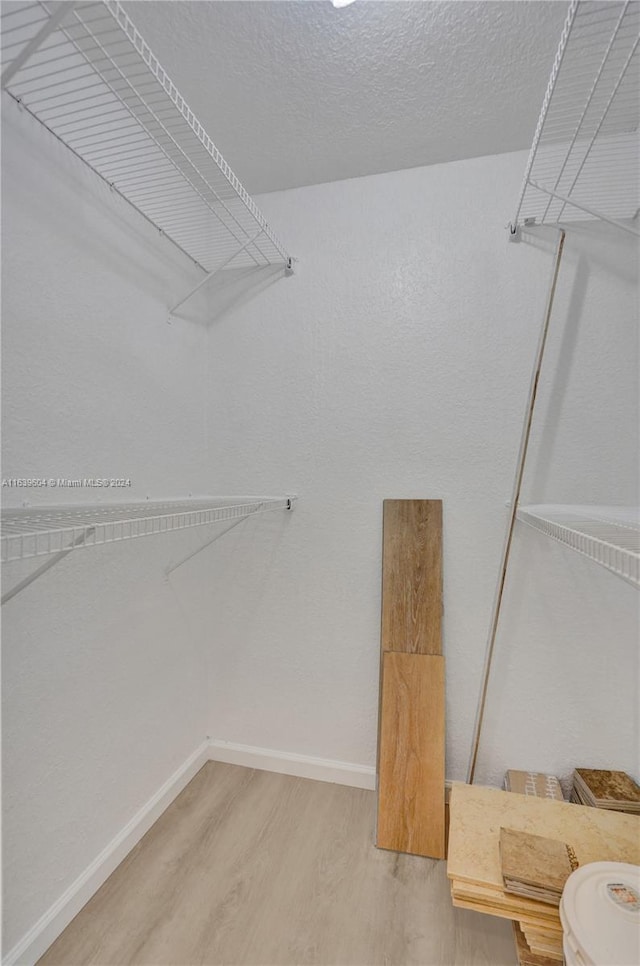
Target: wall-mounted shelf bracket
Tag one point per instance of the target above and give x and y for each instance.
(290, 500)
(588, 209)
(215, 271)
(514, 233)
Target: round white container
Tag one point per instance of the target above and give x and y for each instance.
(600, 915)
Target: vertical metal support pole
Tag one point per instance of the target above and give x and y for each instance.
(522, 457)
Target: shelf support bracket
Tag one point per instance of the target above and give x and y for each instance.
(290, 501)
(48, 28)
(47, 565)
(586, 208)
(215, 271)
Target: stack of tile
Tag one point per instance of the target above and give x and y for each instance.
(533, 783)
(600, 788)
(534, 866)
(474, 866)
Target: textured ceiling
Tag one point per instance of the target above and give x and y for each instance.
(297, 93)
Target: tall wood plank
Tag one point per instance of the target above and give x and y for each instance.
(411, 755)
(412, 576)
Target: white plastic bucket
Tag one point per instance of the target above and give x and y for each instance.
(600, 915)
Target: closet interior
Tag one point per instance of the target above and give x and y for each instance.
(208, 755)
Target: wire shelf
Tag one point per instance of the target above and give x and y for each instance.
(609, 535)
(85, 72)
(584, 160)
(39, 531)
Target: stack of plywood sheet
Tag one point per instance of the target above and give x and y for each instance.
(476, 816)
(523, 950)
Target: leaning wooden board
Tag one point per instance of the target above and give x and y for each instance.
(411, 780)
(411, 815)
(412, 576)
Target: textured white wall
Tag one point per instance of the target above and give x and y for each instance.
(104, 695)
(396, 363)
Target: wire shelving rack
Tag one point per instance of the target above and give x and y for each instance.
(40, 531)
(584, 160)
(608, 535)
(85, 72)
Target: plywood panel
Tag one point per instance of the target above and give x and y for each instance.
(525, 956)
(477, 814)
(411, 758)
(480, 816)
(412, 576)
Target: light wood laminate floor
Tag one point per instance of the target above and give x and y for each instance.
(250, 867)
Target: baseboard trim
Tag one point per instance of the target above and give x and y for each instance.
(46, 930)
(287, 763)
(37, 940)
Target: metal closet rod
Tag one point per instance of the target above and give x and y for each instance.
(515, 499)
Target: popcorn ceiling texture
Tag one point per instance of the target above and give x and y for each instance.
(299, 93)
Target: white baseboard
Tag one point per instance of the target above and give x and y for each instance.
(287, 763)
(38, 939)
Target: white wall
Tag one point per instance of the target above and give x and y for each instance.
(396, 363)
(104, 694)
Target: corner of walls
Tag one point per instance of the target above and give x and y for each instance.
(46, 930)
(104, 691)
(288, 763)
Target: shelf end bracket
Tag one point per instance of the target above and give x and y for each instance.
(215, 271)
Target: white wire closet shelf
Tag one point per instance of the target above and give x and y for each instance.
(39, 531)
(609, 535)
(585, 157)
(85, 72)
